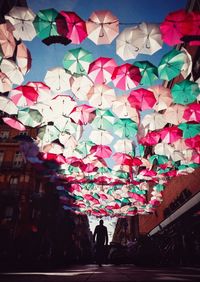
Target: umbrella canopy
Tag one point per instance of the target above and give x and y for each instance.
(58, 79)
(101, 70)
(23, 58)
(29, 117)
(77, 31)
(125, 128)
(7, 41)
(171, 64)
(77, 61)
(81, 86)
(101, 137)
(104, 119)
(151, 138)
(187, 66)
(126, 76)
(154, 121)
(192, 112)
(170, 135)
(101, 151)
(65, 124)
(22, 20)
(62, 105)
(83, 148)
(42, 89)
(142, 99)
(82, 114)
(102, 27)
(8, 106)
(148, 72)
(14, 123)
(48, 134)
(124, 146)
(189, 129)
(5, 83)
(12, 71)
(101, 96)
(163, 97)
(23, 95)
(46, 111)
(185, 92)
(174, 114)
(122, 108)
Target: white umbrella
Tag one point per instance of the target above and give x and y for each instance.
(101, 137)
(154, 121)
(46, 112)
(174, 114)
(23, 58)
(163, 149)
(5, 83)
(62, 105)
(163, 97)
(124, 146)
(58, 79)
(81, 87)
(7, 106)
(22, 20)
(101, 96)
(12, 71)
(187, 66)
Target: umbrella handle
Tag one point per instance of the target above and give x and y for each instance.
(101, 33)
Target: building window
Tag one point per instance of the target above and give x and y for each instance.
(18, 160)
(4, 135)
(14, 180)
(1, 157)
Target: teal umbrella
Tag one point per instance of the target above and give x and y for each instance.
(29, 117)
(189, 129)
(48, 133)
(83, 148)
(77, 61)
(185, 92)
(171, 64)
(125, 128)
(158, 159)
(104, 119)
(148, 71)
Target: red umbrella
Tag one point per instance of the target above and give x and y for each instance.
(192, 112)
(196, 157)
(126, 76)
(152, 138)
(101, 151)
(193, 34)
(101, 70)
(83, 114)
(171, 134)
(142, 99)
(76, 27)
(125, 159)
(175, 26)
(23, 95)
(14, 123)
(44, 92)
(193, 142)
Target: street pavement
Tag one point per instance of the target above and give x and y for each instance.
(106, 273)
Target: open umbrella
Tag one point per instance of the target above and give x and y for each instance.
(124, 146)
(192, 112)
(101, 70)
(83, 148)
(174, 114)
(189, 129)
(104, 119)
(48, 133)
(65, 124)
(14, 123)
(163, 97)
(125, 128)
(185, 92)
(82, 114)
(154, 121)
(23, 58)
(77, 61)
(170, 134)
(12, 71)
(22, 20)
(23, 96)
(62, 105)
(102, 27)
(101, 137)
(148, 72)
(171, 64)
(102, 151)
(151, 138)
(101, 96)
(81, 86)
(126, 76)
(42, 89)
(58, 79)
(8, 106)
(142, 99)
(29, 117)
(5, 83)
(7, 41)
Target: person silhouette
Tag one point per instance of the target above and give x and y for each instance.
(100, 238)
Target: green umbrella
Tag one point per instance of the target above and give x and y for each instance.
(29, 117)
(185, 92)
(48, 133)
(159, 187)
(189, 129)
(125, 128)
(158, 159)
(104, 119)
(137, 190)
(83, 148)
(171, 64)
(77, 61)
(45, 23)
(148, 71)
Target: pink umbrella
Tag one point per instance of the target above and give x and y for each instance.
(83, 114)
(7, 41)
(5, 83)
(14, 123)
(23, 58)
(101, 70)
(101, 96)
(196, 157)
(142, 99)
(126, 76)
(44, 92)
(125, 159)
(193, 142)
(152, 138)
(192, 112)
(163, 97)
(76, 27)
(174, 114)
(23, 96)
(101, 151)
(171, 134)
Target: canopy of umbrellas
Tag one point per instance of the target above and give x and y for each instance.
(110, 131)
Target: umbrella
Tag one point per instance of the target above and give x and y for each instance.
(163, 97)
(46, 111)
(5, 83)
(125, 128)
(58, 79)
(29, 117)
(81, 87)
(48, 133)
(151, 138)
(174, 114)
(42, 89)
(126, 76)
(23, 58)
(187, 66)
(101, 151)
(158, 159)
(104, 119)
(185, 92)
(22, 20)
(101, 96)
(62, 105)
(101, 70)
(124, 146)
(83, 148)
(82, 114)
(142, 99)
(192, 112)
(189, 129)
(76, 27)
(65, 124)
(102, 27)
(77, 61)
(23, 96)
(171, 64)
(163, 149)
(122, 108)
(14, 123)
(148, 72)
(68, 141)
(175, 26)
(154, 121)
(170, 134)
(101, 137)
(12, 71)
(7, 41)
(7, 106)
